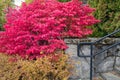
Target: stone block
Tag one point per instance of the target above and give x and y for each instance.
(72, 50)
(118, 61)
(106, 65)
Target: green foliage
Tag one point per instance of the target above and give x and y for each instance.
(108, 11)
(64, 0)
(4, 4)
(28, 1)
(47, 68)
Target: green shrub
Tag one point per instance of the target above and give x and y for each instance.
(108, 11)
(64, 0)
(4, 5)
(52, 67)
(29, 1)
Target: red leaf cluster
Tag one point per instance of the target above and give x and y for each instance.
(38, 29)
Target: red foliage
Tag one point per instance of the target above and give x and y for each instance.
(40, 27)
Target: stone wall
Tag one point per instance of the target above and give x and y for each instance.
(102, 63)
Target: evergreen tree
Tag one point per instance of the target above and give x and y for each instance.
(4, 6)
(28, 1)
(108, 11)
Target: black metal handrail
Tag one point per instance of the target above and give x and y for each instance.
(106, 49)
(91, 50)
(116, 31)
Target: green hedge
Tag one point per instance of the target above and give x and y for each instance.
(108, 11)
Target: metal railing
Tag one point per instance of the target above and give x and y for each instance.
(91, 44)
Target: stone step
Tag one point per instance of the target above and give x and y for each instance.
(117, 70)
(110, 76)
(98, 78)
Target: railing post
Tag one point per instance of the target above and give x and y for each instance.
(91, 62)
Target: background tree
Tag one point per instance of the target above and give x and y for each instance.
(64, 0)
(108, 11)
(4, 6)
(28, 1)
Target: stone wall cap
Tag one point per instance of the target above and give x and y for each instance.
(78, 40)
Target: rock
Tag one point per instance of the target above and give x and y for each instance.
(110, 76)
(82, 68)
(85, 50)
(117, 70)
(118, 61)
(72, 50)
(106, 65)
(85, 69)
(102, 63)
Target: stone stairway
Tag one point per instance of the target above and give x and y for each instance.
(111, 75)
(103, 64)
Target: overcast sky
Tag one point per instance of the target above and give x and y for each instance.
(18, 2)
